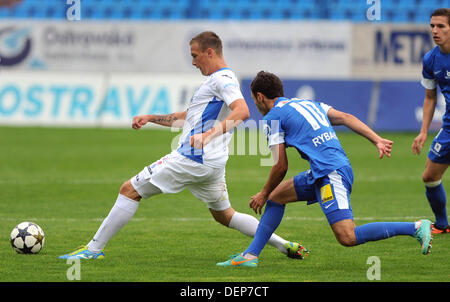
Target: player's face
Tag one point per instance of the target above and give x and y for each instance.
(440, 30)
(200, 59)
(258, 100)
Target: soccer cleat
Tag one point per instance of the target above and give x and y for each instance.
(234, 255)
(435, 230)
(240, 260)
(295, 250)
(423, 235)
(83, 253)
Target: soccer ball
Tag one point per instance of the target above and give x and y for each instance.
(27, 238)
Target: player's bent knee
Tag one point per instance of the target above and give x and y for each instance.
(223, 217)
(284, 193)
(345, 233)
(346, 240)
(127, 190)
(427, 178)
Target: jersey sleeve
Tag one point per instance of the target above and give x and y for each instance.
(325, 107)
(273, 130)
(428, 80)
(228, 88)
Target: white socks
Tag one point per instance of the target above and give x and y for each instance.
(122, 212)
(247, 225)
(432, 184)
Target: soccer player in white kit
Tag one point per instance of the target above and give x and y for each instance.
(198, 164)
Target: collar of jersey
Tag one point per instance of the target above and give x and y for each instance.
(220, 70)
(279, 100)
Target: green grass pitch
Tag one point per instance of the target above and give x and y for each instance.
(66, 180)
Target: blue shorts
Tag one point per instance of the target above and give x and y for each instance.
(331, 191)
(440, 148)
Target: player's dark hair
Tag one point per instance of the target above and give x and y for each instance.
(208, 39)
(442, 12)
(268, 84)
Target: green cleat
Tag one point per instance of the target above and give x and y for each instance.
(295, 250)
(423, 235)
(240, 260)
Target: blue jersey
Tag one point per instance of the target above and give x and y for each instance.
(436, 72)
(304, 124)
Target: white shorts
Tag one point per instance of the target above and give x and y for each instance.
(175, 172)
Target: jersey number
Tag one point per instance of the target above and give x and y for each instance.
(311, 113)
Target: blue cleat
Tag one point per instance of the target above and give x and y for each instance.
(240, 260)
(83, 253)
(423, 235)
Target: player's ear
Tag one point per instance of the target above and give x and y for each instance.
(260, 97)
(210, 52)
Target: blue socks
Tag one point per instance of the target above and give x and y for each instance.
(437, 199)
(383, 230)
(269, 222)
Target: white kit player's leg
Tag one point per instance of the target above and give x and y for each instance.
(123, 210)
(120, 214)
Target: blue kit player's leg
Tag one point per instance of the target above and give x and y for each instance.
(333, 192)
(382, 230)
(437, 164)
(436, 196)
(273, 214)
(270, 220)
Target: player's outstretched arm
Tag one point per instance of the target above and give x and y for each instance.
(170, 120)
(429, 104)
(337, 117)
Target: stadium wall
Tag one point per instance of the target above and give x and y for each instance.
(103, 73)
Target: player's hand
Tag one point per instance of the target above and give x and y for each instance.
(139, 121)
(418, 143)
(257, 202)
(199, 140)
(384, 147)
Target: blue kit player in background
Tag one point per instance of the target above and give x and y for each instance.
(307, 126)
(436, 72)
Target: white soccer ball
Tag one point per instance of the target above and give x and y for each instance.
(27, 238)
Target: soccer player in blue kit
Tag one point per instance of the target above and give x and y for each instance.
(436, 71)
(307, 126)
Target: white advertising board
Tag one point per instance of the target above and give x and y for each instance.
(389, 51)
(318, 49)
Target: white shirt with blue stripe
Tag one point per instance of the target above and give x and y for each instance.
(208, 106)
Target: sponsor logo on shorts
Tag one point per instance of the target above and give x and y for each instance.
(328, 205)
(437, 147)
(326, 193)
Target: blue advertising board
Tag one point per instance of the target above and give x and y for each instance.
(349, 96)
(393, 105)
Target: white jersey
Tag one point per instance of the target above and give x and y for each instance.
(208, 106)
